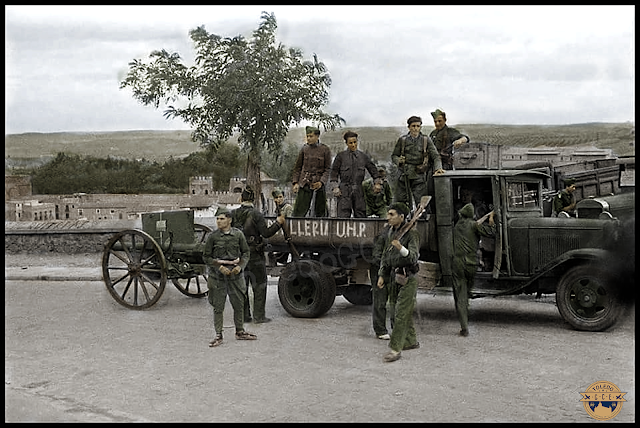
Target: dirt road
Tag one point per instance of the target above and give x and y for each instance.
(73, 354)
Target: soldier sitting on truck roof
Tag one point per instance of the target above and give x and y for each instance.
(564, 203)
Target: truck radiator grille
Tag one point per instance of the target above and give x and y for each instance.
(551, 246)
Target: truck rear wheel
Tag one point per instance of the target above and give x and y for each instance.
(306, 289)
(587, 300)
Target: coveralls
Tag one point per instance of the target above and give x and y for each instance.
(402, 297)
(466, 234)
(350, 167)
(226, 246)
(417, 151)
(254, 226)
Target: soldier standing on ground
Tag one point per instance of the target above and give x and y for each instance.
(412, 154)
(398, 268)
(254, 227)
(380, 295)
(310, 176)
(226, 254)
(377, 196)
(466, 234)
(565, 201)
(350, 167)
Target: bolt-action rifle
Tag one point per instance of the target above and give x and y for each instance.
(424, 201)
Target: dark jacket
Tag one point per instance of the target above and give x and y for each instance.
(351, 171)
(253, 224)
(312, 165)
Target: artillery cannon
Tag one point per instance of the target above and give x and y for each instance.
(136, 264)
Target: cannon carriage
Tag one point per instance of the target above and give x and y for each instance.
(136, 264)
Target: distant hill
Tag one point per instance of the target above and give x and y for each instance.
(159, 145)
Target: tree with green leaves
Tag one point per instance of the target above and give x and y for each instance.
(256, 87)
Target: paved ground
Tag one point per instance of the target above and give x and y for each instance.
(73, 354)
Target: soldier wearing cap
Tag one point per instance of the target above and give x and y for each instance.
(377, 194)
(564, 203)
(254, 226)
(349, 167)
(446, 139)
(398, 269)
(226, 254)
(310, 176)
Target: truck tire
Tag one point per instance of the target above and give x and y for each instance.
(587, 299)
(306, 289)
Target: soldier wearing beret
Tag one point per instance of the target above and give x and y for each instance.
(412, 154)
(254, 226)
(226, 254)
(398, 269)
(310, 176)
(564, 203)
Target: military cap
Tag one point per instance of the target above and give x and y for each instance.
(248, 194)
(222, 210)
(277, 192)
(312, 130)
(400, 207)
(437, 113)
(569, 181)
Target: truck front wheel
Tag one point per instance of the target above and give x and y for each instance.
(587, 300)
(306, 289)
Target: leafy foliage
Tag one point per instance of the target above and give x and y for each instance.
(72, 173)
(255, 87)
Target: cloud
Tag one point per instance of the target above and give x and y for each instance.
(515, 64)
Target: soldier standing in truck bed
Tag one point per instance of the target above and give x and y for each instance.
(446, 139)
(350, 166)
(310, 176)
(412, 154)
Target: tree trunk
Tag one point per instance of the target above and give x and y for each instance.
(253, 177)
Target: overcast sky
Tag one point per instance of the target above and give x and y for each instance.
(485, 64)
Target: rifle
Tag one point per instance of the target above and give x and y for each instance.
(295, 255)
(483, 218)
(424, 201)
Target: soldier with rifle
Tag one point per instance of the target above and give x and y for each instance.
(254, 226)
(412, 154)
(398, 269)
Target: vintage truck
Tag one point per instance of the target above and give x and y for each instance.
(583, 261)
